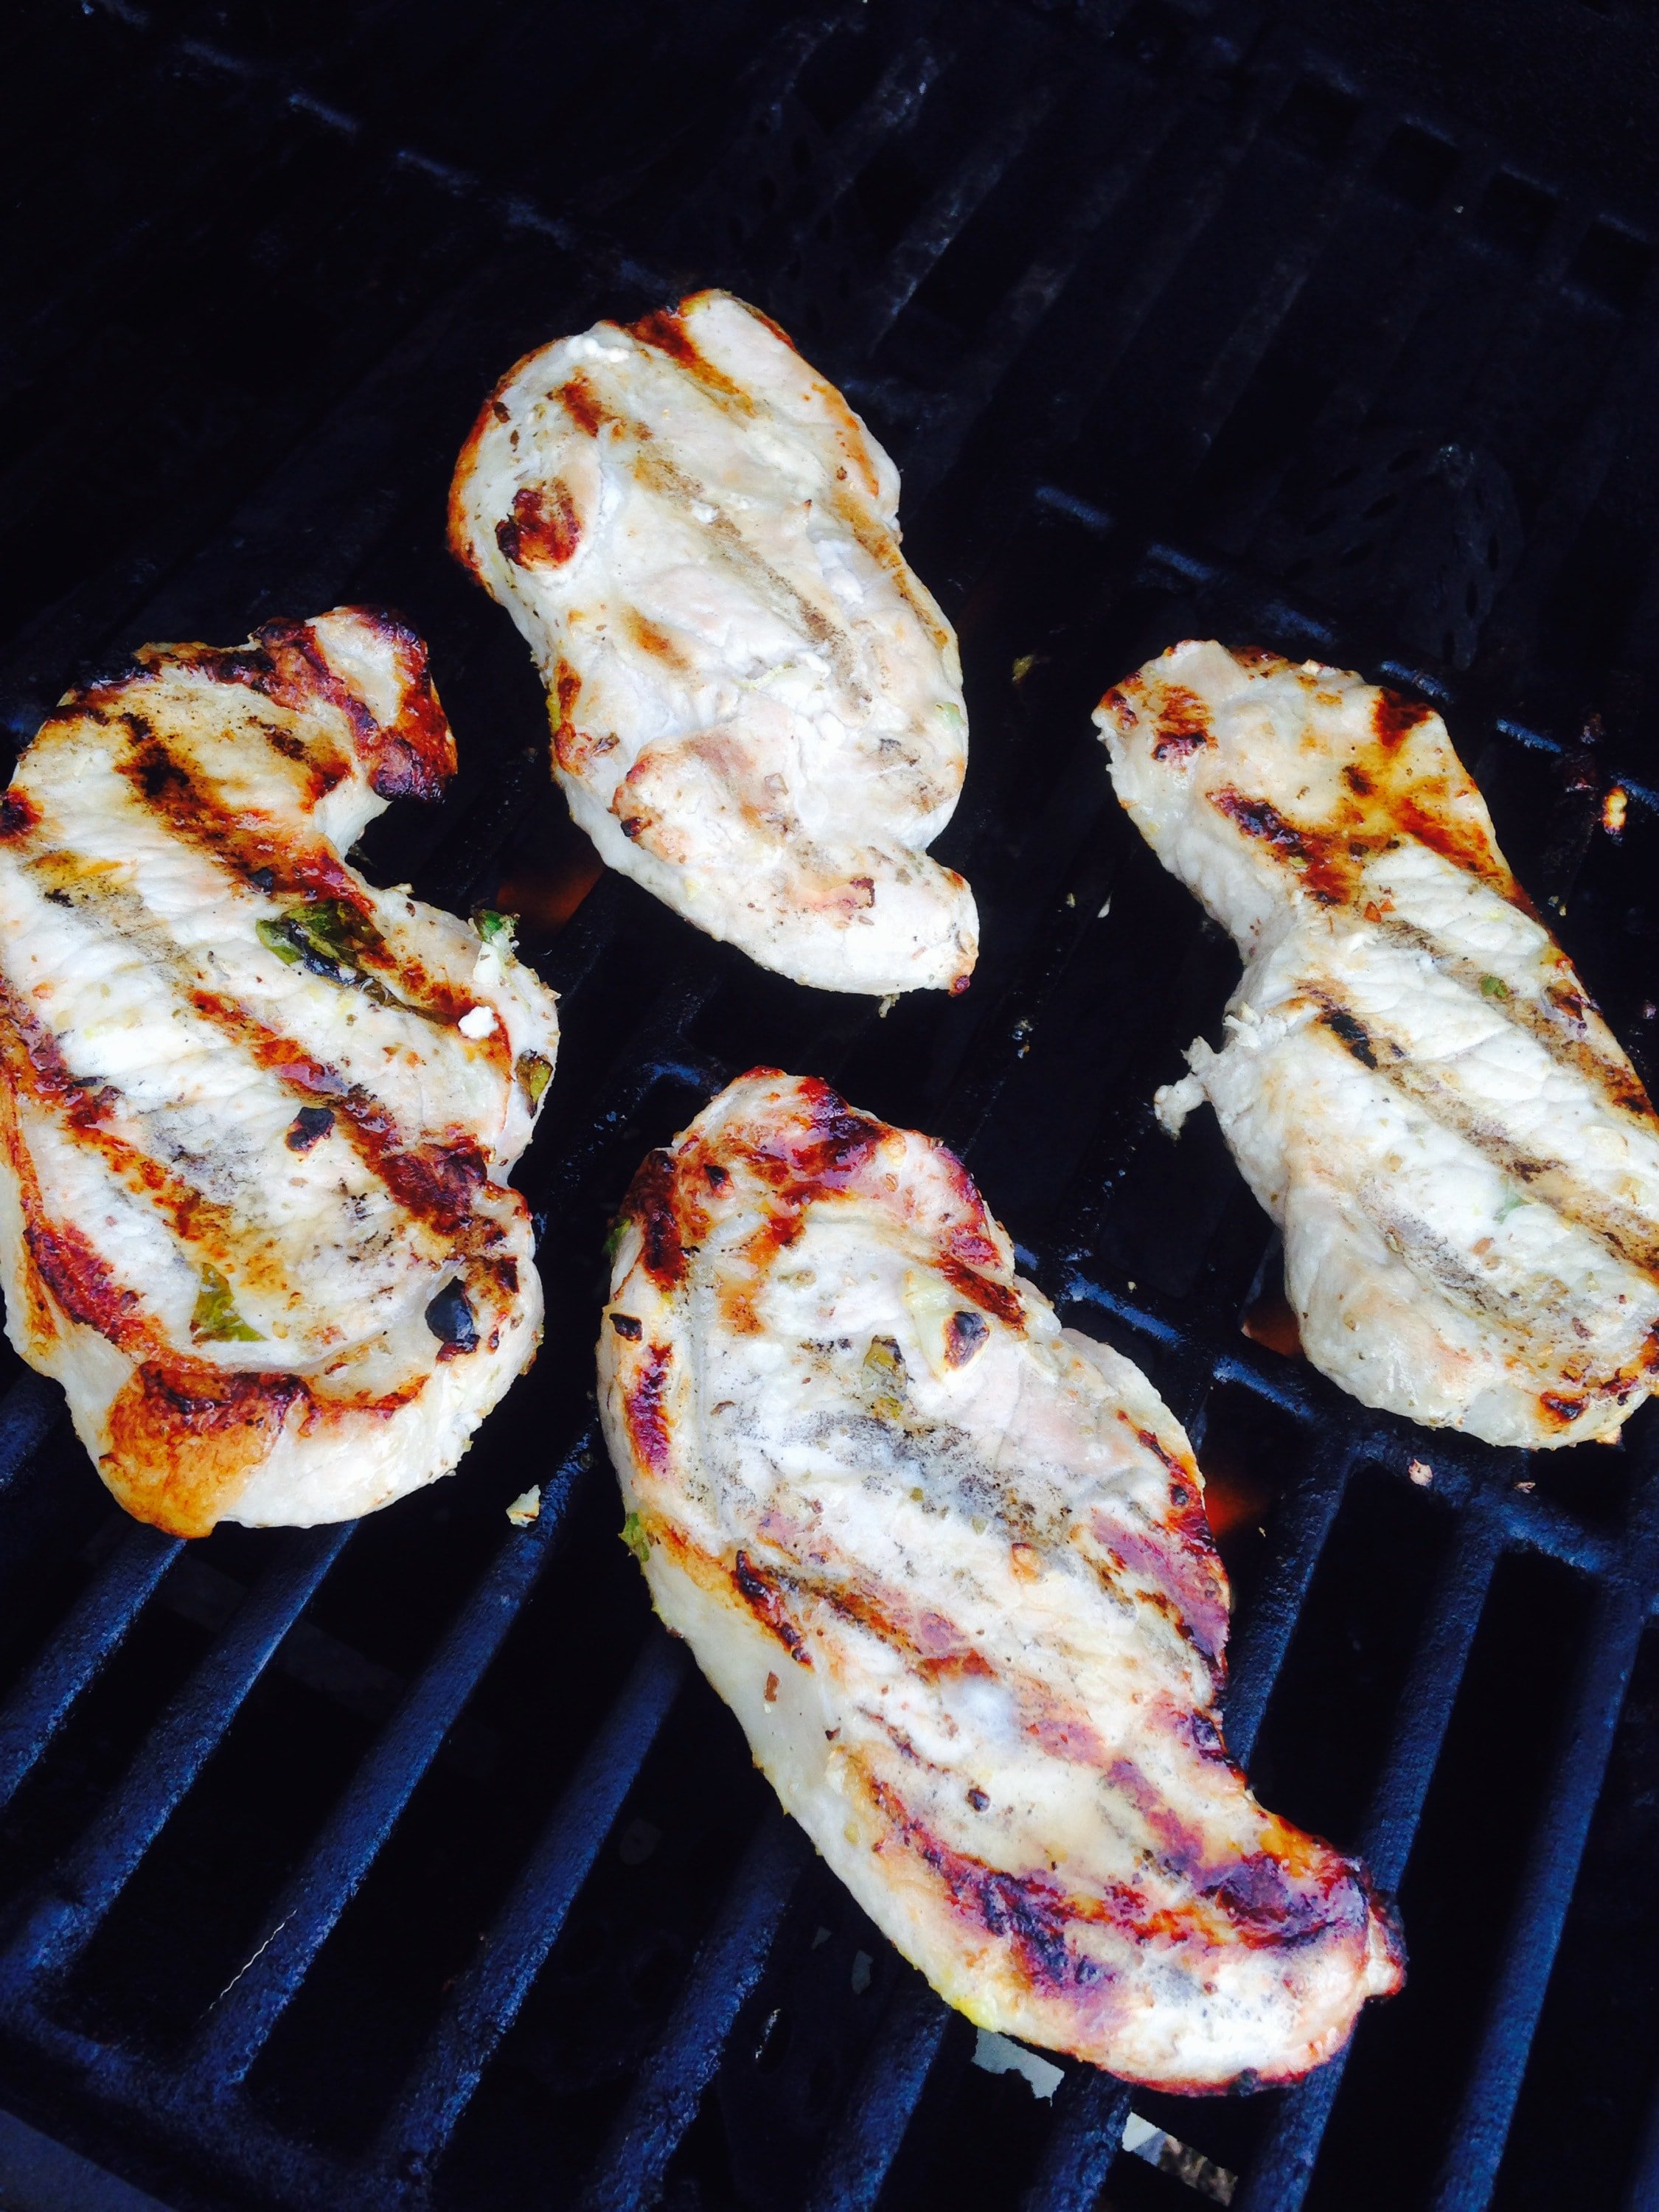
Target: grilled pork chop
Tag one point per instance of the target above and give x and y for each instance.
(949, 1563)
(757, 707)
(1464, 1163)
(256, 1114)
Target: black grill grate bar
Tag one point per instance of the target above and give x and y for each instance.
(890, 2084)
(1643, 2192)
(934, 452)
(88, 1882)
(42, 1701)
(197, 534)
(487, 1999)
(1501, 373)
(764, 94)
(871, 2123)
(669, 2087)
(1577, 483)
(304, 1916)
(31, 1408)
(947, 212)
(1383, 339)
(1466, 2178)
(1242, 351)
(892, 107)
(1266, 84)
(1283, 2165)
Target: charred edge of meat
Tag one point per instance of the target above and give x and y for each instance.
(652, 1202)
(1184, 725)
(1393, 717)
(18, 814)
(763, 1593)
(79, 1278)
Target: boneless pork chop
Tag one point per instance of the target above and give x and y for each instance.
(1464, 1163)
(256, 1114)
(757, 707)
(949, 1563)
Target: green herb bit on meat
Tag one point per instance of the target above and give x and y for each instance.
(534, 1075)
(215, 1320)
(494, 928)
(634, 1535)
(329, 937)
(885, 1377)
(1493, 986)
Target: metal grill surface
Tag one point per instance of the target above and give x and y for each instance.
(410, 1864)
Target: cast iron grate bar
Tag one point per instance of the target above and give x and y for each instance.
(88, 1882)
(302, 1919)
(871, 2125)
(664, 2100)
(105, 1611)
(1283, 2163)
(31, 1408)
(487, 1999)
(1482, 2128)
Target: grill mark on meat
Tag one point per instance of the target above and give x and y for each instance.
(1256, 1901)
(36, 1067)
(244, 846)
(671, 482)
(126, 915)
(1031, 1915)
(664, 332)
(592, 410)
(1326, 872)
(413, 757)
(1625, 1232)
(436, 1180)
(763, 1593)
(1001, 1299)
(583, 405)
(644, 1411)
(1389, 795)
(934, 1647)
(1558, 1021)
(246, 850)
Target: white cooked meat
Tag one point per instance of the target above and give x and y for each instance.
(256, 1115)
(949, 1564)
(757, 707)
(1415, 1082)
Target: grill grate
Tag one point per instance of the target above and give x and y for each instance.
(1176, 322)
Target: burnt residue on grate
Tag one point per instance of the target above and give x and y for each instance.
(412, 1865)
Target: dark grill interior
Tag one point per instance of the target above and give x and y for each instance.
(412, 1863)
